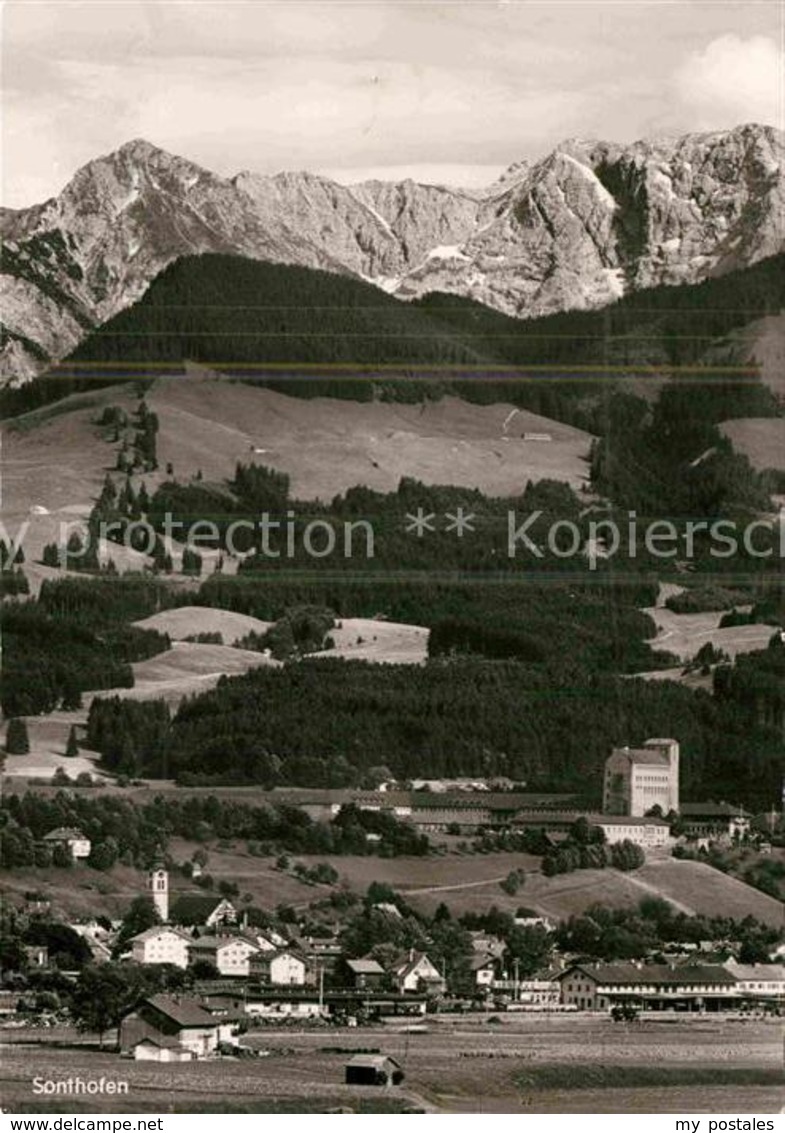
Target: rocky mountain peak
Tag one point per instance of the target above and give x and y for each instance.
(577, 228)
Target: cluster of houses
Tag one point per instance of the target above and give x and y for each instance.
(259, 974)
(167, 1028)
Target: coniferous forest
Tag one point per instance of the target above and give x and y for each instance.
(531, 661)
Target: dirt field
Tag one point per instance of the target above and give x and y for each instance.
(520, 1064)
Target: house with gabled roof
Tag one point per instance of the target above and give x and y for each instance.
(77, 843)
(168, 1022)
(231, 954)
(161, 944)
(192, 909)
(415, 972)
(283, 968)
(597, 987)
(364, 973)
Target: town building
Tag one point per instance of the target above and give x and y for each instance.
(231, 955)
(645, 832)
(689, 987)
(322, 953)
(168, 1023)
(37, 955)
(541, 990)
(414, 972)
(637, 779)
(759, 983)
(77, 844)
(364, 973)
(286, 968)
(714, 820)
(485, 970)
(161, 944)
(191, 909)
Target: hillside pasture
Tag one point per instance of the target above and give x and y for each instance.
(184, 670)
(186, 621)
(699, 888)
(760, 439)
(373, 639)
(685, 634)
(327, 445)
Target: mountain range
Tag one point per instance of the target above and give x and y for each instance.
(587, 224)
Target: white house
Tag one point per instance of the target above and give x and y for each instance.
(161, 945)
(168, 1028)
(485, 970)
(415, 972)
(231, 955)
(77, 844)
(281, 969)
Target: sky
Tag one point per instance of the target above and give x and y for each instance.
(452, 91)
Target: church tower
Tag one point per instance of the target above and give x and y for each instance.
(158, 884)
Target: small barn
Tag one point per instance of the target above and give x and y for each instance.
(373, 1070)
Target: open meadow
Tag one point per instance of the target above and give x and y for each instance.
(482, 1064)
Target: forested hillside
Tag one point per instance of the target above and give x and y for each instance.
(241, 314)
(333, 720)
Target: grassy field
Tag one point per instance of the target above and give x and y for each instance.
(684, 634)
(185, 621)
(702, 889)
(55, 459)
(326, 445)
(466, 883)
(186, 669)
(760, 439)
(535, 1064)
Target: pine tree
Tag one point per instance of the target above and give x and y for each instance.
(108, 493)
(51, 555)
(72, 747)
(192, 562)
(17, 741)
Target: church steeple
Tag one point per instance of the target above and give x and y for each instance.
(158, 884)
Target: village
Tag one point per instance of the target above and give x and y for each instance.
(215, 974)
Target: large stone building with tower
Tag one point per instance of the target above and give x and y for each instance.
(636, 779)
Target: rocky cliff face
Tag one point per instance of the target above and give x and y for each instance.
(576, 229)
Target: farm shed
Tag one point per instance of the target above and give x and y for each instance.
(373, 1070)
